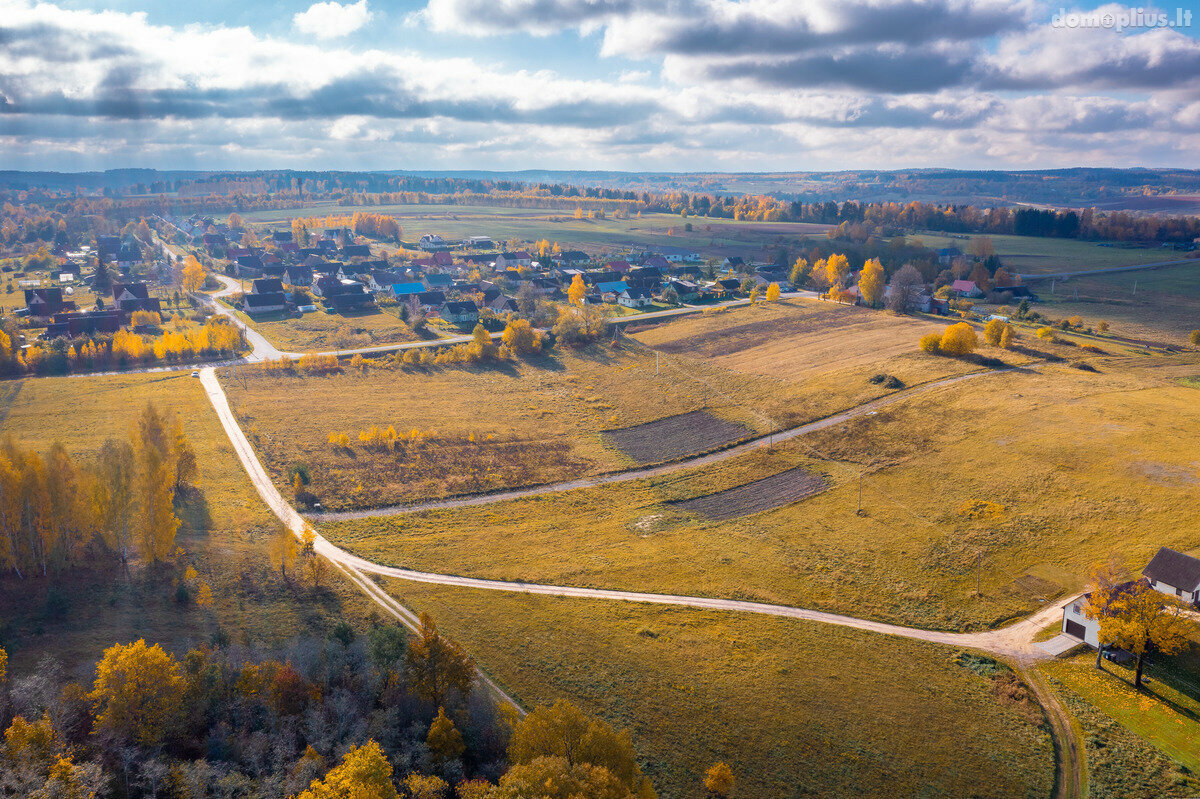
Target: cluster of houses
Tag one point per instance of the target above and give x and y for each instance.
(62, 316)
(1170, 572)
(345, 276)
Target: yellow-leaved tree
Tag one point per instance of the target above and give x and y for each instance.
(437, 664)
(993, 331)
(564, 733)
(959, 339)
(193, 274)
(444, 740)
(1141, 619)
(577, 290)
(364, 773)
(137, 693)
(156, 523)
(718, 780)
(773, 292)
(871, 282)
(837, 266)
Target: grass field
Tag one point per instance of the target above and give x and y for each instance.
(1164, 717)
(223, 534)
(317, 331)
(1033, 255)
(710, 237)
(795, 708)
(548, 417)
(1080, 464)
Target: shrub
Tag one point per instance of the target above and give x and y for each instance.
(1194, 337)
(931, 343)
(1046, 334)
(893, 382)
(959, 339)
(992, 332)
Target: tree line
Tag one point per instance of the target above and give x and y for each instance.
(57, 513)
(374, 716)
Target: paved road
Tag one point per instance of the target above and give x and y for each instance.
(1110, 271)
(654, 471)
(1014, 641)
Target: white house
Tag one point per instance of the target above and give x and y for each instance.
(634, 298)
(1078, 625)
(1175, 574)
(431, 240)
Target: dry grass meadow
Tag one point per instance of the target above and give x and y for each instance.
(796, 709)
(548, 418)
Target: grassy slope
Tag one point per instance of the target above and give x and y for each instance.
(1034, 255)
(796, 709)
(1086, 464)
(224, 535)
(318, 331)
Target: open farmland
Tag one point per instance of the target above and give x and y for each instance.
(1031, 255)
(1078, 465)
(766, 494)
(580, 399)
(710, 237)
(795, 708)
(676, 436)
(317, 331)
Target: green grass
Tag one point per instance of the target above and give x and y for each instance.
(224, 535)
(1165, 718)
(796, 709)
(1036, 255)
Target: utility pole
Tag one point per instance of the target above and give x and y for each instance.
(978, 572)
(860, 477)
(656, 364)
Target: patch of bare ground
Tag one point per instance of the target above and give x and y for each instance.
(766, 494)
(676, 436)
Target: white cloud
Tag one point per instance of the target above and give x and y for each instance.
(330, 20)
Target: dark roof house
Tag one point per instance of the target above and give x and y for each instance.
(1174, 573)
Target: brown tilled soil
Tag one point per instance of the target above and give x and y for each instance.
(676, 436)
(735, 338)
(761, 495)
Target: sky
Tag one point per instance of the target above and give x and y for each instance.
(639, 85)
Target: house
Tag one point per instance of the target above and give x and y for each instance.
(478, 242)
(356, 251)
(432, 241)
(609, 291)
(281, 236)
(686, 290)
(443, 259)
(85, 323)
(1175, 574)
(405, 290)
(733, 262)
(45, 303)
(966, 288)
(249, 265)
(727, 286)
(677, 254)
(343, 294)
(130, 297)
(503, 305)
(518, 258)
(947, 254)
(618, 266)
(266, 302)
(438, 282)
(460, 312)
(574, 257)
(298, 275)
(1076, 622)
(266, 285)
(634, 298)
(431, 300)
(129, 256)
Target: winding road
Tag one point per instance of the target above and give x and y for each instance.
(1015, 641)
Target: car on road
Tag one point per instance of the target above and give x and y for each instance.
(195, 374)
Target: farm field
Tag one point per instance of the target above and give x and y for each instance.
(224, 534)
(710, 237)
(1031, 255)
(796, 709)
(549, 418)
(1166, 301)
(1019, 480)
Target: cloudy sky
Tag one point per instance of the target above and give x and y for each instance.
(681, 85)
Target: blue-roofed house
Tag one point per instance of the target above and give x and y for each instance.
(405, 290)
(611, 290)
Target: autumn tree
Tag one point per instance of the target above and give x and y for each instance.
(436, 665)
(1141, 620)
(564, 731)
(837, 267)
(444, 740)
(283, 549)
(184, 457)
(235, 221)
(314, 566)
(519, 338)
(114, 498)
(907, 284)
(559, 778)
(773, 292)
(1106, 581)
(137, 693)
(3, 666)
(718, 780)
(871, 282)
(980, 277)
(993, 330)
(800, 272)
(156, 523)
(193, 274)
(364, 773)
(1193, 337)
(959, 339)
(577, 290)
(1007, 335)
